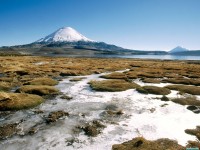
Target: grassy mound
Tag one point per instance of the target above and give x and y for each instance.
(187, 101)
(17, 101)
(4, 86)
(140, 143)
(193, 144)
(76, 79)
(38, 90)
(182, 81)
(42, 81)
(194, 90)
(112, 85)
(195, 132)
(151, 80)
(115, 75)
(153, 90)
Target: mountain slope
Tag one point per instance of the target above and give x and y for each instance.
(178, 49)
(68, 41)
(65, 34)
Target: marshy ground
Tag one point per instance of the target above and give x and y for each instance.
(96, 99)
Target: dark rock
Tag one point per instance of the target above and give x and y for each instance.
(93, 128)
(164, 98)
(8, 130)
(38, 111)
(22, 72)
(138, 143)
(192, 107)
(66, 97)
(111, 107)
(68, 73)
(163, 105)
(32, 131)
(54, 116)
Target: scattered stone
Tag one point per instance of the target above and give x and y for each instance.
(192, 107)
(114, 113)
(152, 110)
(93, 128)
(97, 72)
(32, 131)
(111, 107)
(38, 111)
(8, 130)
(164, 98)
(163, 105)
(54, 116)
(66, 97)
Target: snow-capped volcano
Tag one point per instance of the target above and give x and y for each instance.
(65, 34)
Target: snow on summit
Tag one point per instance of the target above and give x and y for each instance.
(65, 34)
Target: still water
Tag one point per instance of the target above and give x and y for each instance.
(161, 57)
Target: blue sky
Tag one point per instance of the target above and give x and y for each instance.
(135, 24)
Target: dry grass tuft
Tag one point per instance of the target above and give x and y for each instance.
(115, 75)
(182, 81)
(42, 81)
(112, 85)
(38, 90)
(76, 79)
(195, 132)
(187, 101)
(5, 86)
(17, 101)
(194, 90)
(151, 80)
(140, 143)
(153, 90)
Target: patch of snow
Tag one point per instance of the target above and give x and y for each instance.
(65, 34)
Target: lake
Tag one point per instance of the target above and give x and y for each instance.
(162, 57)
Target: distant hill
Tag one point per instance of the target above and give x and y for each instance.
(188, 53)
(178, 49)
(184, 52)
